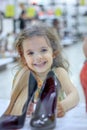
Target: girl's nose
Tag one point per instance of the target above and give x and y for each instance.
(38, 57)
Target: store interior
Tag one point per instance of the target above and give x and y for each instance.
(71, 19)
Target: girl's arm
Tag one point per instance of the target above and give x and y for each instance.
(72, 96)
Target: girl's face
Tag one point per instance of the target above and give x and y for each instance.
(38, 54)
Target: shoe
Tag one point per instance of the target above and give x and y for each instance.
(10, 122)
(44, 116)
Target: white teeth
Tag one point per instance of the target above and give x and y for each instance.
(40, 63)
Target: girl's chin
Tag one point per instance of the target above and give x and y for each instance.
(40, 70)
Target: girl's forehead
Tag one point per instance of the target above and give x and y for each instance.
(37, 40)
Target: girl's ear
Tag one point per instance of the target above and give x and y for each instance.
(55, 53)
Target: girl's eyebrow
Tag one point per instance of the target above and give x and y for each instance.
(28, 50)
(44, 47)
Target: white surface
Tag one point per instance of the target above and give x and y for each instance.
(4, 61)
(3, 105)
(75, 119)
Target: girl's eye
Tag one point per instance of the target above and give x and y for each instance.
(44, 50)
(30, 53)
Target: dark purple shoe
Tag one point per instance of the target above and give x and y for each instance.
(11, 122)
(44, 117)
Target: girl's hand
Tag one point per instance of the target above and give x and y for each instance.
(30, 108)
(60, 110)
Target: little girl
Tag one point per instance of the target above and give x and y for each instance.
(40, 51)
(40, 54)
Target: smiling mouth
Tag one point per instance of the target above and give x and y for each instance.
(40, 64)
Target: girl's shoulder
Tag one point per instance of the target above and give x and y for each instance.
(61, 74)
(59, 71)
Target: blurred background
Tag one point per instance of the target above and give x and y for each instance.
(68, 17)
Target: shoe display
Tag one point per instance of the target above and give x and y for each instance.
(11, 122)
(44, 116)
